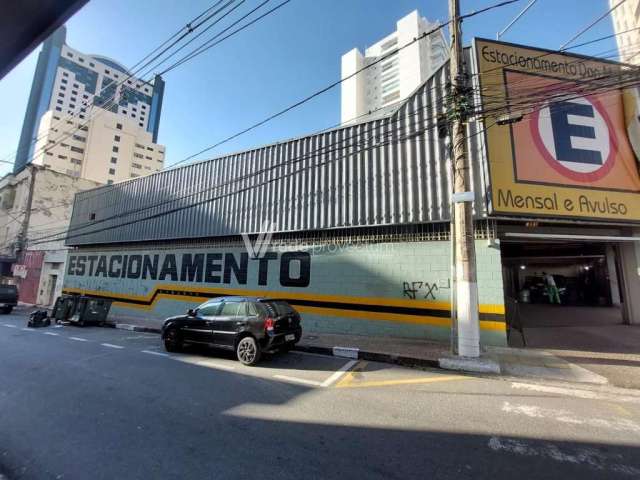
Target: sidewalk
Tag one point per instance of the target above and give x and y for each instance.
(516, 362)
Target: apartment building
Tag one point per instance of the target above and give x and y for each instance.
(397, 76)
(626, 25)
(89, 117)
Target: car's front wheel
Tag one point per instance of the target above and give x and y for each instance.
(248, 351)
(172, 342)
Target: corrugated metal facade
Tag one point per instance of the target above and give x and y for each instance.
(386, 171)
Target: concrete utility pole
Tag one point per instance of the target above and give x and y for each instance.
(465, 318)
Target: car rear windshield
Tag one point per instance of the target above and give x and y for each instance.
(279, 307)
(10, 289)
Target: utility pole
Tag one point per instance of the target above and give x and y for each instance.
(465, 316)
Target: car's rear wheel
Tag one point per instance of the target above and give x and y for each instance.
(172, 342)
(7, 310)
(248, 351)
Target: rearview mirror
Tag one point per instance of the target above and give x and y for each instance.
(191, 312)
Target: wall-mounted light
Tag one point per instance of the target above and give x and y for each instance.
(522, 267)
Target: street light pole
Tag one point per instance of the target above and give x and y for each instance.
(466, 318)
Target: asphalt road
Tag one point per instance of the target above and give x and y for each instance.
(78, 403)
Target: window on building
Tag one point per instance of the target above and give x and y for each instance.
(52, 141)
(77, 149)
(85, 97)
(141, 124)
(138, 155)
(148, 158)
(72, 105)
(91, 64)
(61, 95)
(136, 165)
(69, 54)
(55, 117)
(119, 126)
(114, 149)
(134, 109)
(74, 92)
(64, 145)
(116, 138)
(75, 85)
(81, 60)
(72, 99)
(50, 153)
(133, 115)
(64, 80)
(150, 149)
(109, 182)
(124, 111)
(77, 161)
(65, 74)
(92, 216)
(84, 128)
(59, 102)
(62, 157)
(58, 109)
(81, 116)
(133, 175)
(107, 72)
(112, 171)
(79, 138)
(139, 146)
(114, 160)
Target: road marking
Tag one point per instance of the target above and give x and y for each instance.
(58, 326)
(336, 375)
(574, 392)
(405, 381)
(564, 416)
(25, 329)
(78, 339)
(298, 380)
(160, 354)
(51, 333)
(588, 457)
(111, 345)
(9, 325)
(140, 336)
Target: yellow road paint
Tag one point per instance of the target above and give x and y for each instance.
(348, 381)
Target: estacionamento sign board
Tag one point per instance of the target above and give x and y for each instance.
(569, 156)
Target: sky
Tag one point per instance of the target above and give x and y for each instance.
(276, 62)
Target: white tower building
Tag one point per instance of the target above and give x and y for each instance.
(395, 78)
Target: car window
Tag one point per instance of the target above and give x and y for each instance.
(209, 309)
(232, 309)
(252, 309)
(279, 307)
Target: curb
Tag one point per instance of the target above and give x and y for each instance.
(355, 353)
(133, 328)
(342, 352)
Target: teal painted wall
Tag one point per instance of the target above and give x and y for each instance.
(416, 272)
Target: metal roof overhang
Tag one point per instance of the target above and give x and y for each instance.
(24, 24)
(561, 237)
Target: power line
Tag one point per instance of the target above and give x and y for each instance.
(592, 24)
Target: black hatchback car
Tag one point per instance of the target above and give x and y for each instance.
(246, 325)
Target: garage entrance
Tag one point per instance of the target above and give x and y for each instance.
(582, 312)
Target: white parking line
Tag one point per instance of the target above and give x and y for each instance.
(58, 326)
(298, 380)
(336, 375)
(51, 333)
(111, 345)
(78, 339)
(9, 325)
(25, 329)
(160, 354)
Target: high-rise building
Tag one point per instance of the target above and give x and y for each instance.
(88, 117)
(395, 78)
(626, 18)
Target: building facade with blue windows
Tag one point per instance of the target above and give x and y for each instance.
(70, 85)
